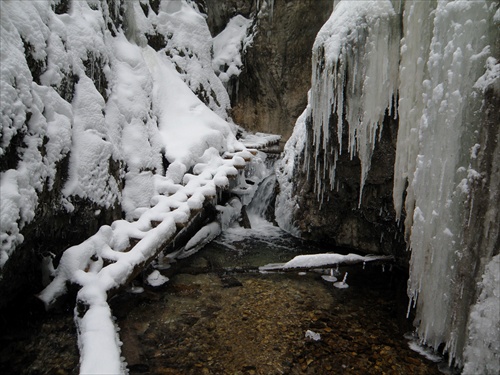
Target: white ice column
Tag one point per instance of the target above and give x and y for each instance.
(437, 144)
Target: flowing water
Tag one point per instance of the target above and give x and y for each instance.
(219, 315)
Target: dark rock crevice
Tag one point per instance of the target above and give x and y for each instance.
(337, 216)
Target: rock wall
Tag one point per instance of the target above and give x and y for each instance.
(424, 177)
(337, 217)
(42, 68)
(220, 12)
(271, 92)
(340, 170)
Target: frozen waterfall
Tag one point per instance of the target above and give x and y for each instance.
(355, 65)
(439, 145)
(434, 65)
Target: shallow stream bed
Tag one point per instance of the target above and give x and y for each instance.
(218, 315)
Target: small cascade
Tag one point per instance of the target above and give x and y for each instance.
(262, 204)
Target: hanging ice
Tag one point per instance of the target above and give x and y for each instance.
(443, 74)
(354, 79)
(444, 52)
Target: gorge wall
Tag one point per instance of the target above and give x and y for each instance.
(80, 141)
(85, 125)
(271, 91)
(398, 147)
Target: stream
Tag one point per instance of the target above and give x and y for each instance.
(218, 315)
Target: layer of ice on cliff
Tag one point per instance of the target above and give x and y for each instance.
(354, 79)
(445, 51)
(447, 59)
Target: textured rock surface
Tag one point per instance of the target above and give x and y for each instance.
(370, 227)
(272, 90)
(219, 12)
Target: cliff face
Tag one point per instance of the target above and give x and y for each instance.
(271, 91)
(398, 130)
(337, 216)
(341, 175)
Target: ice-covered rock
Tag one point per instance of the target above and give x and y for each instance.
(436, 67)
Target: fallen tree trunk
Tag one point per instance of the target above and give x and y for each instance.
(116, 254)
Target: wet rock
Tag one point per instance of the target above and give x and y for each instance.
(139, 368)
(230, 282)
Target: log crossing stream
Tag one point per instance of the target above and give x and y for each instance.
(218, 314)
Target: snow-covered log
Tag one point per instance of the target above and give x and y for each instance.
(107, 261)
(326, 260)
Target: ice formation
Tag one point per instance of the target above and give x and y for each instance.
(355, 65)
(155, 278)
(286, 203)
(441, 117)
(436, 64)
(482, 350)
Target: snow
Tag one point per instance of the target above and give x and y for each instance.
(259, 140)
(9, 204)
(155, 278)
(34, 113)
(97, 327)
(181, 114)
(200, 239)
(323, 260)
(311, 335)
(482, 352)
(229, 45)
(123, 129)
(91, 153)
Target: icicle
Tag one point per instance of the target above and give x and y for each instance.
(271, 10)
(370, 92)
(439, 114)
(342, 284)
